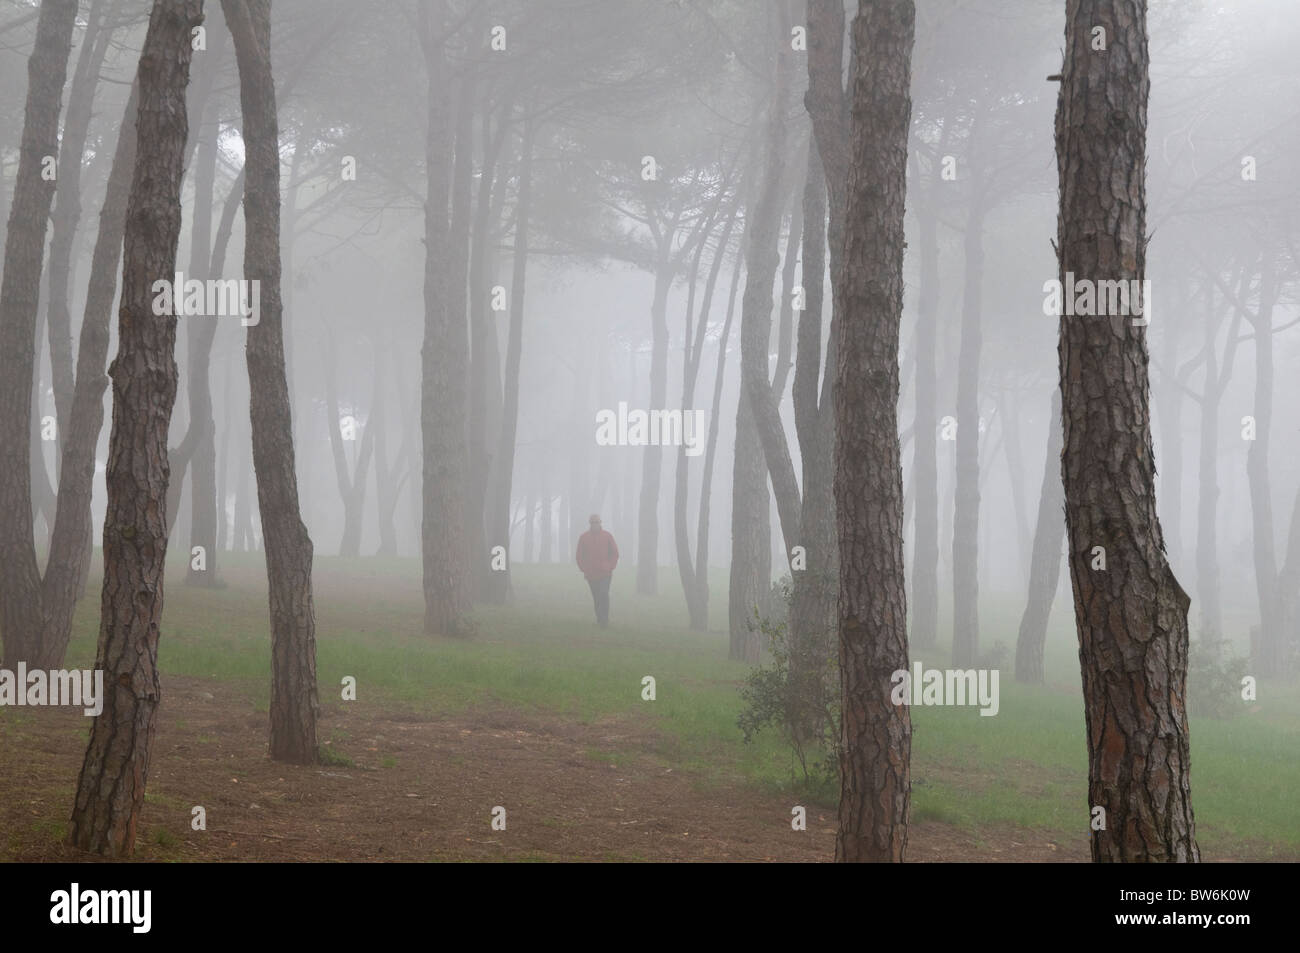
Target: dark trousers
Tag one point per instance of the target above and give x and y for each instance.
(600, 595)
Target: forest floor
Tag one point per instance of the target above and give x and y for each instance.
(416, 787)
(542, 714)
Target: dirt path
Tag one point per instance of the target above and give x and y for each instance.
(423, 788)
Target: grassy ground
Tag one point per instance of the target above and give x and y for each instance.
(543, 657)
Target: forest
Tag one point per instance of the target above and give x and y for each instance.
(649, 431)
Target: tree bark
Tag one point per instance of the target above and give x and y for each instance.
(288, 547)
(1132, 615)
(876, 735)
(111, 786)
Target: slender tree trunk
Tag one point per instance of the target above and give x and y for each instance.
(223, 467)
(750, 587)
(288, 547)
(1131, 615)
(111, 786)
(1267, 651)
(647, 553)
(499, 518)
(447, 574)
(813, 613)
(1009, 413)
(545, 516)
(1207, 507)
(1045, 561)
(966, 512)
(20, 578)
(199, 339)
(925, 473)
(710, 454)
(67, 211)
(70, 540)
(483, 356)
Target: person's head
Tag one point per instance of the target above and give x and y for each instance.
(594, 522)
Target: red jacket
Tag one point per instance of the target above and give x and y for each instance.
(597, 554)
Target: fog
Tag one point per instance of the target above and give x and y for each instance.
(555, 221)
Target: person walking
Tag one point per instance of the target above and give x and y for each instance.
(597, 557)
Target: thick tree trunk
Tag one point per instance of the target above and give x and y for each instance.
(1045, 561)
(111, 786)
(1131, 615)
(288, 547)
(447, 573)
(876, 735)
(20, 578)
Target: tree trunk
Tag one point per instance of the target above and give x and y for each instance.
(694, 575)
(20, 578)
(813, 602)
(876, 735)
(288, 547)
(925, 471)
(498, 590)
(483, 356)
(647, 553)
(1132, 615)
(447, 573)
(199, 339)
(1207, 483)
(1045, 561)
(111, 786)
(710, 454)
(67, 211)
(71, 538)
(966, 509)
(751, 539)
(1267, 652)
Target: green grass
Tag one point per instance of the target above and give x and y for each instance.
(1025, 767)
